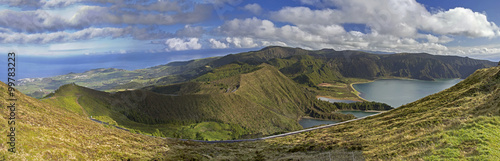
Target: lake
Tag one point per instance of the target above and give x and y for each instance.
(307, 123)
(394, 92)
(397, 92)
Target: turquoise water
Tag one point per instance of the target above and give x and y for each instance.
(397, 92)
(307, 123)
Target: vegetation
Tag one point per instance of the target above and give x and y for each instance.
(376, 106)
(46, 132)
(460, 123)
(303, 66)
(231, 102)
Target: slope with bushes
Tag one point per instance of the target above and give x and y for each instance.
(304, 66)
(459, 123)
(234, 101)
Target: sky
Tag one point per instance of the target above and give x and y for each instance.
(55, 28)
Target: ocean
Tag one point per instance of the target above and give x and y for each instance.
(39, 67)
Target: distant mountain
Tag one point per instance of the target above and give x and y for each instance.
(303, 66)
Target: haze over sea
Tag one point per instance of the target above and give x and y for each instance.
(37, 67)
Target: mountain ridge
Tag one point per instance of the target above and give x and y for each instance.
(256, 101)
(461, 122)
(368, 66)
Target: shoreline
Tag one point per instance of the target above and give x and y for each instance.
(356, 92)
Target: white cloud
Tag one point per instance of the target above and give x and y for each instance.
(83, 16)
(31, 21)
(252, 32)
(393, 17)
(242, 42)
(217, 44)
(461, 21)
(176, 44)
(61, 36)
(254, 8)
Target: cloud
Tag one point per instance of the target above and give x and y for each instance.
(177, 44)
(265, 30)
(22, 3)
(402, 18)
(217, 44)
(31, 21)
(222, 3)
(96, 15)
(461, 21)
(253, 32)
(41, 20)
(254, 8)
(84, 34)
(61, 36)
(242, 42)
(189, 31)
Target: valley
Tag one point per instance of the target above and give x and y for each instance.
(461, 122)
(238, 96)
(255, 95)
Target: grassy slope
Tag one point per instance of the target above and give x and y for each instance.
(260, 102)
(304, 66)
(45, 132)
(462, 122)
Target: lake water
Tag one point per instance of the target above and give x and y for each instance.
(397, 92)
(307, 123)
(394, 92)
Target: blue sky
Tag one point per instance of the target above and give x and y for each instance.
(52, 28)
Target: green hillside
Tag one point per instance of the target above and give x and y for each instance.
(459, 123)
(232, 101)
(44, 132)
(304, 66)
